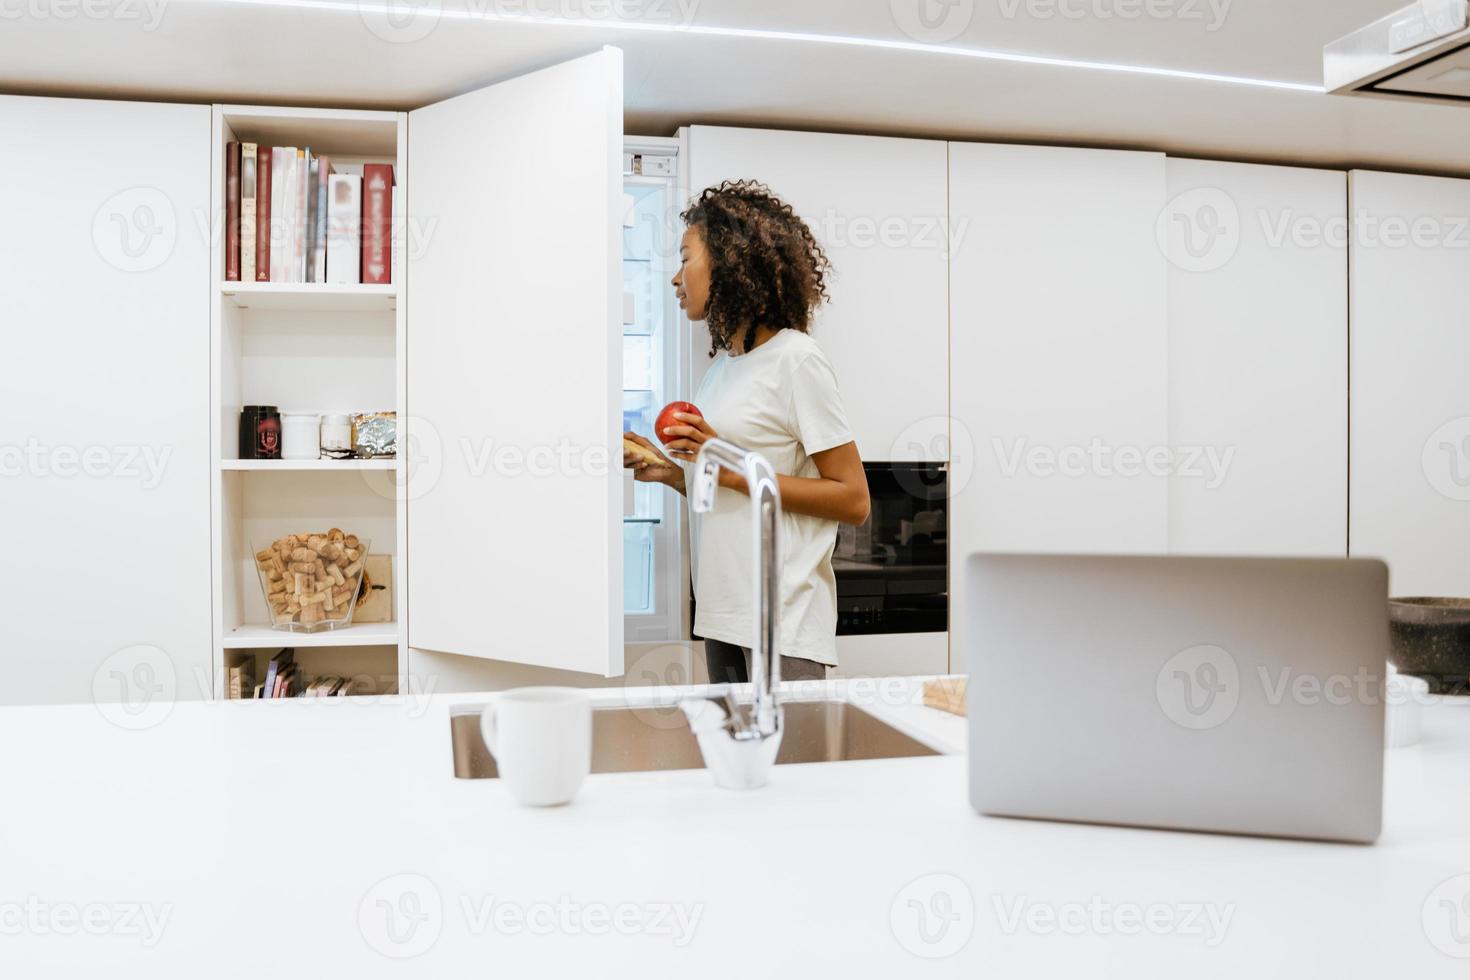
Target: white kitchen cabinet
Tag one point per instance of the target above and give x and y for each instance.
(878, 207)
(104, 443)
(1058, 352)
(1257, 359)
(1410, 442)
(500, 363)
(1058, 356)
(515, 371)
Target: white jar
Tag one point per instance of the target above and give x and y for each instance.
(300, 436)
(337, 434)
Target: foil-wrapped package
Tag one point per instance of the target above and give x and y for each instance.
(375, 434)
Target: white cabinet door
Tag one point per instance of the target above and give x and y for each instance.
(514, 327)
(878, 207)
(1257, 359)
(1410, 483)
(104, 388)
(1058, 352)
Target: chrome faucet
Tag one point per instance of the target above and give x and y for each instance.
(737, 748)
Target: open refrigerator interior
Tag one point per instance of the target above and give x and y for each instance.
(654, 341)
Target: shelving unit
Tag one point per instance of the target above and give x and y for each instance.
(313, 347)
(371, 670)
(311, 297)
(260, 637)
(306, 465)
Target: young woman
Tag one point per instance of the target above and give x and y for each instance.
(752, 271)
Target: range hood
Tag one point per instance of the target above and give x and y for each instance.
(1420, 53)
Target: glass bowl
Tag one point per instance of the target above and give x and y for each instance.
(311, 581)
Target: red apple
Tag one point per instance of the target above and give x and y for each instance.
(666, 419)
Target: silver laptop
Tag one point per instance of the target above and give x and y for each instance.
(1237, 695)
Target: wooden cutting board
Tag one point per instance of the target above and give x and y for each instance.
(946, 695)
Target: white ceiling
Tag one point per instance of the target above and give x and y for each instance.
(341, 52)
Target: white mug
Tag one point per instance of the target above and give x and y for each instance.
(541, 738)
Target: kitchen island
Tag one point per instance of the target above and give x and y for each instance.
(329, 838)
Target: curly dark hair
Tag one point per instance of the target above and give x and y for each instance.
(766, 267)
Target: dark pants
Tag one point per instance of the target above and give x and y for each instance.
(730, 664)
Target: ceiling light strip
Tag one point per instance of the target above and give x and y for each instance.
(406, 10)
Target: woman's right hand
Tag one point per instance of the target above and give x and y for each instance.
(667, 471)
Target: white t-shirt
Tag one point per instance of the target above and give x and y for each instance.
(780, 400)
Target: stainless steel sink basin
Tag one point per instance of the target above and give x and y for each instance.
(644, 739)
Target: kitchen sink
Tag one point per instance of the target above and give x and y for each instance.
(657, 737)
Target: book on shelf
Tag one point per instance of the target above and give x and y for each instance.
(377, 223)
(259, 691)
(247, 212)
(232, 211)
(317, 221)
(291, 186)
(298, 215)
(273, 670)
(344, 222)
(291, 214)
(313, 167)
(325, 686)
(283, 165)
(265, 190)
(295, 181)
(291, 217)
(242, 679)
(286, 681)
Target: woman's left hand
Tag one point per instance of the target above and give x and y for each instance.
(686, 438)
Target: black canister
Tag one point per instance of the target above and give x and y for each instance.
(1430, 638)
(260, 432)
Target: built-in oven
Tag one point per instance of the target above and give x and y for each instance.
(893, 571)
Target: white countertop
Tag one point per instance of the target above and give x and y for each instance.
(258, 839)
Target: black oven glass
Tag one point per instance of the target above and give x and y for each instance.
(893, 571)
